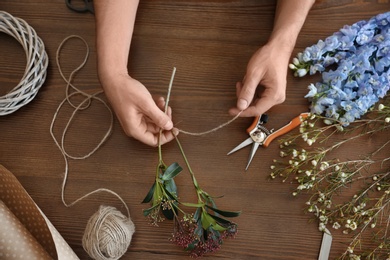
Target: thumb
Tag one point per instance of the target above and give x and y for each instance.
(161, 119)
(246, 94)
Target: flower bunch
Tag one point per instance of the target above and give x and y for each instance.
(198, 233)
(347, 194)
(358, 59)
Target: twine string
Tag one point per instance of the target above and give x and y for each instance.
(108, 232)
(211, 130)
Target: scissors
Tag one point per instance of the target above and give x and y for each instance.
(259, 135)
(86, 7)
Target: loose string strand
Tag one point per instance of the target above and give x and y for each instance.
(88, 99)
(211, 130)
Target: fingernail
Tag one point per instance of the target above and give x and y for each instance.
(242, 104)
(168, 125)
(175, 131)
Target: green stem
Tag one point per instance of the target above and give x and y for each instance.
(160, 160)
(189, 169)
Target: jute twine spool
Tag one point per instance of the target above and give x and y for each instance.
(36, 67)
(108, 232)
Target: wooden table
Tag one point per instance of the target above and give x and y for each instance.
(210, 43)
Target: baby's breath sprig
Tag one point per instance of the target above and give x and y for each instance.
(347, 194)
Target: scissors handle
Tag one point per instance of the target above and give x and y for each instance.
(258, 120)
(285, 129)
(87, 6)
(253, 125)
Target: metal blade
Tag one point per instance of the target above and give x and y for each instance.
(241, 145)
(252, 154)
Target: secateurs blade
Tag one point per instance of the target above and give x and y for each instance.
(260, 135)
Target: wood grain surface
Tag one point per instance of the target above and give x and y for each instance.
(210, 43)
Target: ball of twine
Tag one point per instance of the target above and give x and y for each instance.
(108, 234)
(36, 67)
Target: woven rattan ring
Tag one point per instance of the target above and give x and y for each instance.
(36, 67)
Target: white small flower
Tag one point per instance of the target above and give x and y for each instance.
(309, 142)
(272, 167)
(302, 157)
(337, 168)
(340, 128)
(295, 61)
(295, 193)
(308, 173)
(336, 225)
(373, 225)
(381, 107)
(327, 122)
(314, 162)
(321, 227)
(353, 225)
(292, 66)
(387, 119)
(324, 166)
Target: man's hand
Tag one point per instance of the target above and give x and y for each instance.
(141, 117)
(268, 68)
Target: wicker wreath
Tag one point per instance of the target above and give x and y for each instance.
(37, 62)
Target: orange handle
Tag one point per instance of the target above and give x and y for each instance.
(253, 125)
(285, 129)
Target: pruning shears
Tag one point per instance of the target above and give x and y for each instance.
(260, 135)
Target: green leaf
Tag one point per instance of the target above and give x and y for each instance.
(191, 246)
(218, 227)
(168, 213)
(157, 194)
(170, 195)
(172, 170)
(149, 196)
(222, 221)
(194, 205)
(229, 214)
(146, 212)
(170, 185)
(207, 220)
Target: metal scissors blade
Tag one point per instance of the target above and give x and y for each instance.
(252, 154)
(87, 6)
(242, 145)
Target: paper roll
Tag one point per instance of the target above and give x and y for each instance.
(27, 224)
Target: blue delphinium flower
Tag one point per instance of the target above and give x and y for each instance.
(360, 74)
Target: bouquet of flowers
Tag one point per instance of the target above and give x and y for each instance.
(361, 55)
(200, 232)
